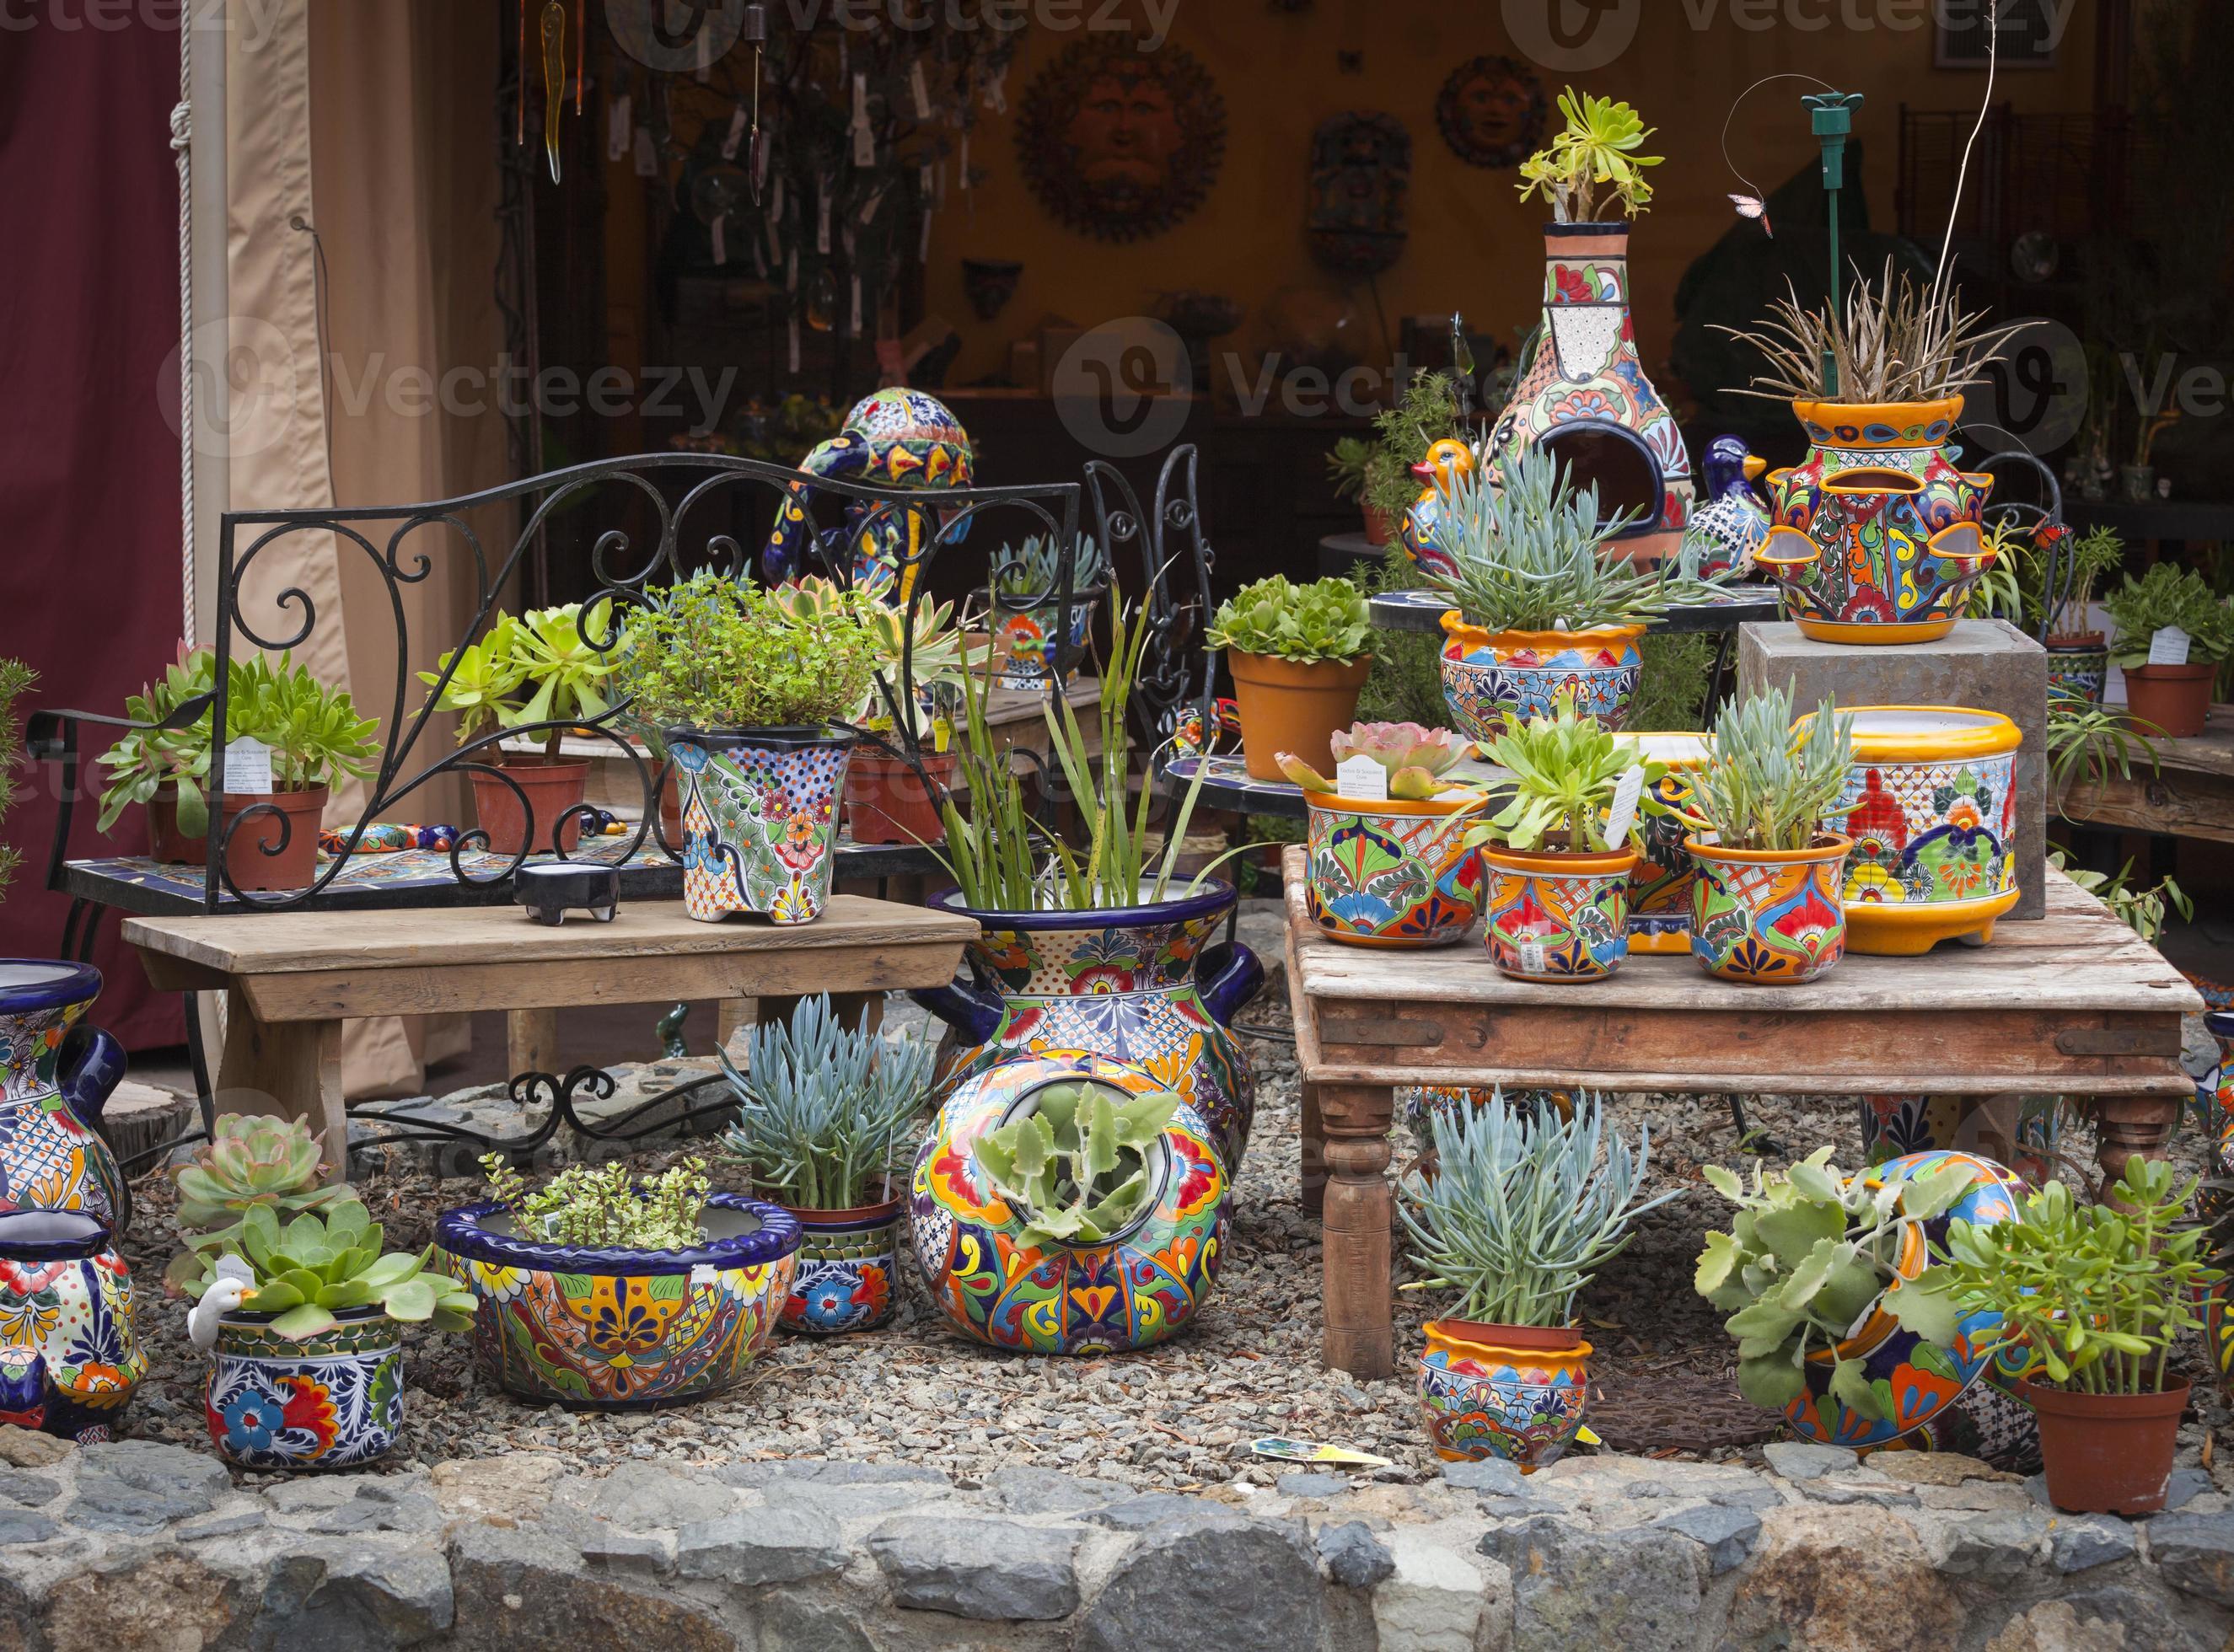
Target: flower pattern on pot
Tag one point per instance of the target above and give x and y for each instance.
(1488, 684)
(1557, 926)
(68, 1359)
(1779, 922)
(848, 1274)
(1929, 832)
(330, 1401)
(1482, 1401)
(1021, 643)
(2077, 676)
(759, 824)
(1398, 880)
(50, 1158)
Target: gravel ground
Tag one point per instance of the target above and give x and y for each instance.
(1175, 1416)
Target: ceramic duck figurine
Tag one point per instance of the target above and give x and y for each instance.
(1447, 463)
(1733, 522)
(895, 438)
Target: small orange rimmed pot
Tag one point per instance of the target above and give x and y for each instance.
(1769, 916)
(1293, 706)
(1392, 872)
(1494, 678)
(848, 1274)
(1557, 917)
(1514, 1392)
(2108, 1453)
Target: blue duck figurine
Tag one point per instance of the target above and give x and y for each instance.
(1729, 526)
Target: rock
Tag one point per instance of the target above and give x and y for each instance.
(1151, 1508)
(32, 1490)
(755, 1475)
(1936, 1468)
(223, 1525)
(1803, 1460)
(165, 1600)
(1853, 1579)
(844, 1502)
(347, 1595)
(2187, 1485)
(790, 1624)
(1976, 1497)
(1354, 1557)
(518, 1483)
(28, 1448)
(1043, 1490)
(2142, 1617)
(416, 1513)
(1176, 1590)
(1995, 1546)
(1727, 1534)
(1435, 1601)
(2195, 1552)
(1491, 1474)
(2079, 1543)
(623, 1551)
(645, 1496)
(515, 1588)
(1317, 1485)
(1638, 1588)
(765, 1545)
(23, 1526)
(1839, 1491)
(137, 1485)
(2054, 1626)
(990, 1569)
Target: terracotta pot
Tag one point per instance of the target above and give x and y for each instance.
(552, 788)
(671, 811)
(1514, 1392)
(166, 843)
(253, 858)
(1769, 916)
(1557, 917)
(2108, 1453)
(887, 801)
(1290, 708)
(2175, 698)
(1380, 526)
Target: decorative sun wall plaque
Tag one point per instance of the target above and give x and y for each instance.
(1120, 143)
(1492, 112)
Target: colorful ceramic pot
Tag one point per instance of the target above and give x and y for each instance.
(1392, 873)
(56, 1076)
(759, 818)
(1992, 1421)
(2078, 670)
(1557, 917)
(1492, 678)
(1876, 535)
(1660, 888)
(1913, 1379)
(1514, 1392)
(1022, 641)
(1893, 1126)
(615, 1329)
(848, 1276)
(1140, 984)
(1931, 807)
(330, 1400)
(1293, 706)
(1143, 1286)
(69, 1361)
(1768, 917)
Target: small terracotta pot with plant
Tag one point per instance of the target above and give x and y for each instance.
(2170, 700)
(1298, 657)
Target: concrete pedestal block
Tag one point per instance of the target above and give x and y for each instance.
(1988, 664)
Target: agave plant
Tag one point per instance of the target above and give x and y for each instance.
(312, 1270)
(1526, 547)
(1031, 570)
(252, 1159)
(1412, 755)
(1075, 1166)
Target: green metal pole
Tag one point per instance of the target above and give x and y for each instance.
(1832, 114)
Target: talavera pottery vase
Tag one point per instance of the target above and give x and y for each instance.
(68, 1359)
(1140, 984)
(1660, 888)
(1492, 678)
(1142, 1286)
(56, 1074)
(848, 1276)
(2078, 670)
(1768, 916)
(759, 819)
(2108, 1453)
(611, 1329)
(1931, 807)
(332, 1401)
(1585, 394)
(1514, 1392)
(1892, 1126)
(1023, 639)
(1557, 917)
(2172, 700)
(550, 788)
(1288, 706)
(1390, 873)
(1876, 535)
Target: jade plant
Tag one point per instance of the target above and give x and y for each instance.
(315, 1268)
(1413, 757)
(1766, 783)
(1526, 547)
(717, 654)
(1593, 164)
(1565, 769)
(545, 667)
(606, 1206)
(1326, 620)
(2169, 596)
(251, 1160)
(1075, 1167)
(1804, 1265)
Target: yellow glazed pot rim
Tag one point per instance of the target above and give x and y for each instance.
(1828, 845)
(1562, 862)
(1468, 1335)
(1899, 414)
(1447, 804)
(1455, 625)
(1928, 734)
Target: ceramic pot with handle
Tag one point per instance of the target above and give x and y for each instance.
(68, 1359)
(56, 1074)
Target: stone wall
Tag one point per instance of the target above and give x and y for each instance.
(114, 1547)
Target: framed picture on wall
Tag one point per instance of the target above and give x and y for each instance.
(2028, 30)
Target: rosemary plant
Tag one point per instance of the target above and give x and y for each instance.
(1526, 545)
(1898, 341)
(1767, 784)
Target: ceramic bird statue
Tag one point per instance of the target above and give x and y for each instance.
(234, 1286)
(896, 438)
(1732, 522)
(1447, 463)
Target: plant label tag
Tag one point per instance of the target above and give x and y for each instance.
(247, 767)
(1363, 778)
(620, 123)
(921, 86)
(2169, 647)
(1627, 792)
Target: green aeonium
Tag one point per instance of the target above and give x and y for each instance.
(1566, 770)
(2169, 596)
(720, 654)
(314, 1269)
(1326, 620)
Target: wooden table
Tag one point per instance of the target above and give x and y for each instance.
(2190, 795)
(2073, 1004)
(290, 979)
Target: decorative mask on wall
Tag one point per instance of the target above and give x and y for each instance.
(1121, 143)
(1361, 177)
(1492, 112)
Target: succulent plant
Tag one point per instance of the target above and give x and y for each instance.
(1768, 781)
(252, 1159)
(313, 1270)
(1565, 771)
(1805, 1262)
(606, 1206)
(1031, 569)
(1075, 1166)
(1527, 548)
(1326, 620)
(1414, 756)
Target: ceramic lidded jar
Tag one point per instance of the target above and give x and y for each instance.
(68, 1359)
(759, 819)
(55, 1075)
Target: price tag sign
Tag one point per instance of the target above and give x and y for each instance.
(1363, 778)
(1627, 792)
(2169, 647)
(247, 767)
(1532, 958)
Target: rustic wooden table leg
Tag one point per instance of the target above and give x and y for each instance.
(292, 1068)
(1311, 1151)
(1355, 1230)
(2126, 1124)
(531, 1041)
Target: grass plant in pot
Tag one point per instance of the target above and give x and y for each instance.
(749, 695)
(2153, 615)
(600, 1293)
(1559, 861)
(826, 1119)
(1522, 1211)
(2057, 583)
(1298, 657)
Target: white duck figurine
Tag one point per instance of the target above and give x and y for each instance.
(234, 1285)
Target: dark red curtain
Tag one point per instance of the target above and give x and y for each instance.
(89, 535)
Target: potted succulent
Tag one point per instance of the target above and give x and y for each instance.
(749, 695)
(166, 769)
(825, 1117)
(1559, 867)
(2172, 700)
(1298, 657)
(2078, 657)
(1391, 868)
(2100, 1291)
(1538, 610)
(1522, 1211)
(1766, 908)
(306, 1322)
(251, 1159)
(538, 672)
(600, 1293)
(1026, 626)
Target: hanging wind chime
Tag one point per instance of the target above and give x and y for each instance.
(552, 28)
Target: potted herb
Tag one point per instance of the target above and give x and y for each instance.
(306, 1322)
(15, 681)
(2170, 602)
(2101, 1292)
(749, 696)
(826, 1116)
(1766, 908)
(2078, 658)
(1350, 469)
(1539, 611)
(599, 1292)
(1521, 1212)
(1298, 657)
(1559, 865)
(1027, 625)
(166, 769)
